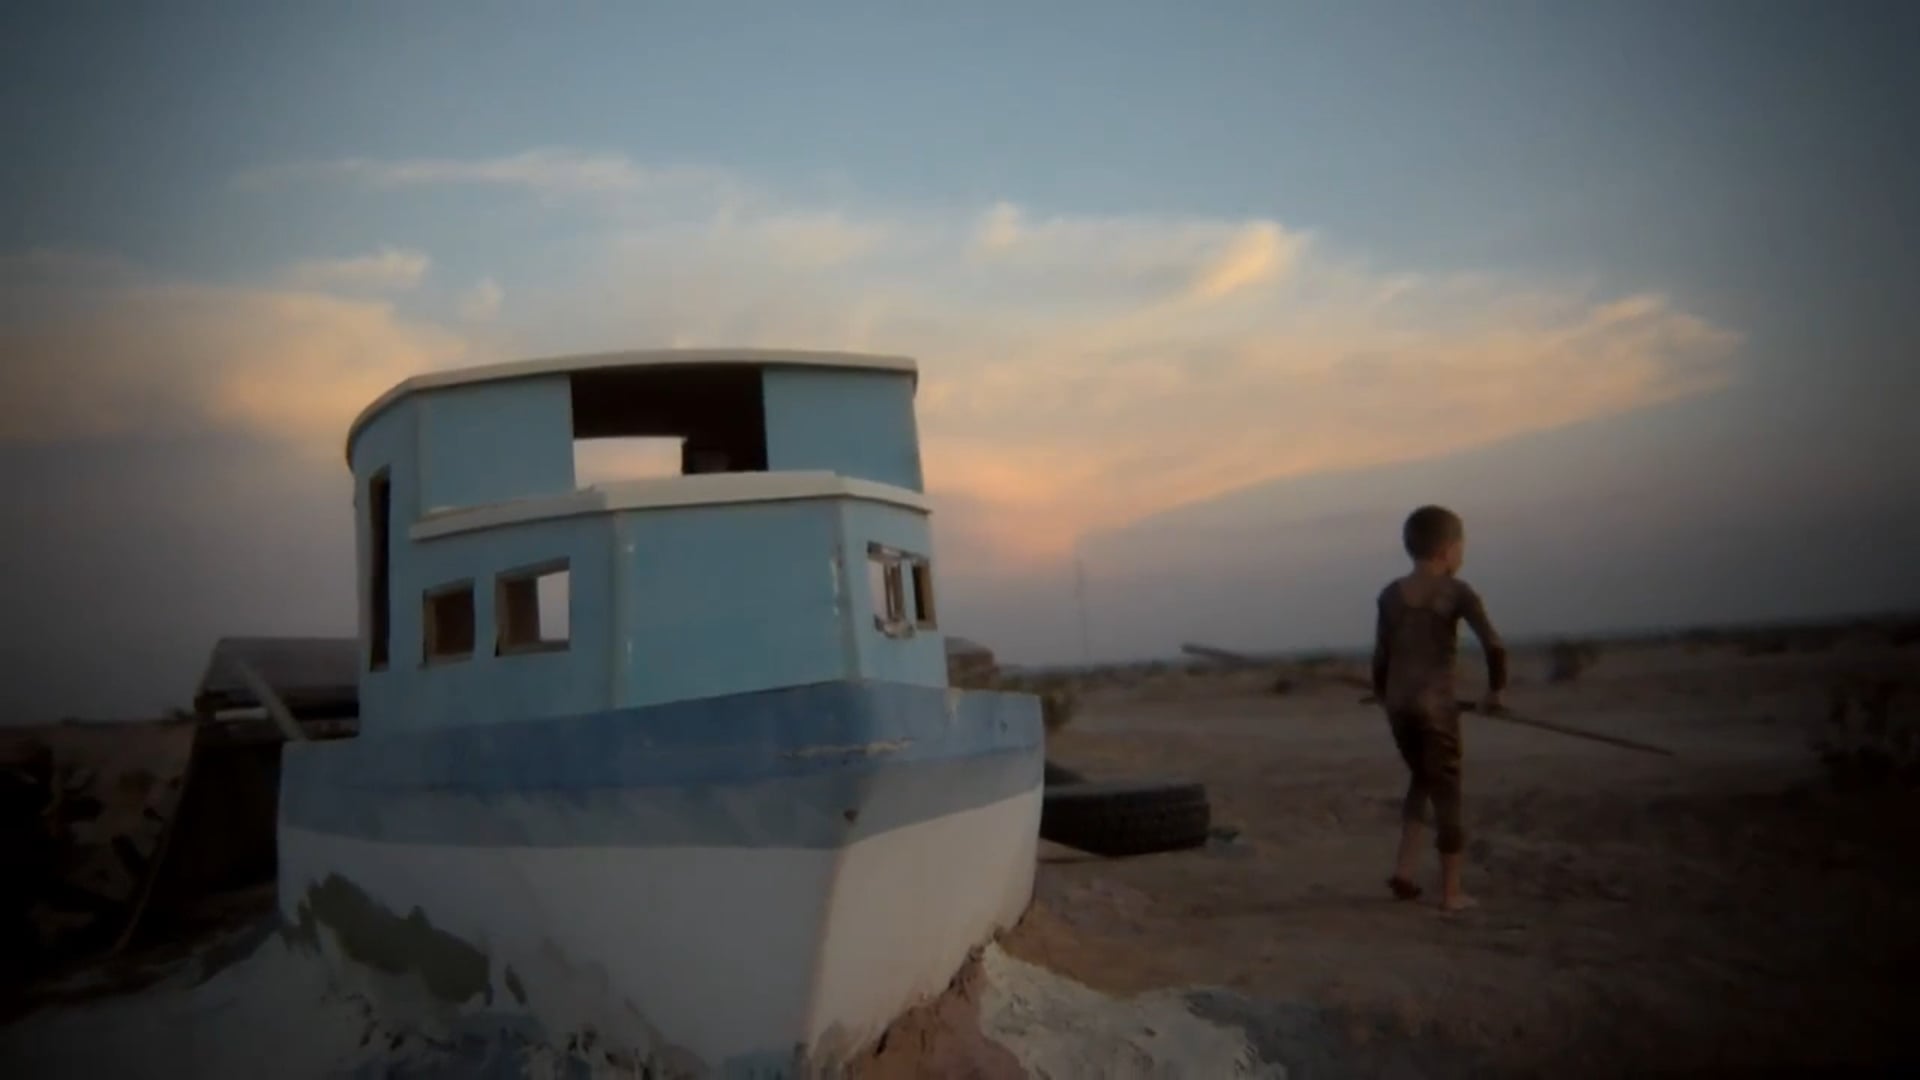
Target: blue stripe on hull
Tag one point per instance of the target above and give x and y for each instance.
(817, 766)
(832, 808)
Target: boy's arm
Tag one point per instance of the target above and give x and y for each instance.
(1474, 610)
(1380, 657)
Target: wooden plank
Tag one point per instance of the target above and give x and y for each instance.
(277, 709)
(160, 849)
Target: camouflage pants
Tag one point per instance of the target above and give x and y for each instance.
(1429, 742)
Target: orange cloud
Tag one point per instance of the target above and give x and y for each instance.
(111, 355)
(388, 268)
(1077, 372)
(1260, 252)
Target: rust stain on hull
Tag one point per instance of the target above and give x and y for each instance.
(451, 969)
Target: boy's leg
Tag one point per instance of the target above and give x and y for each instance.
(1408, 737)
(1442, 778)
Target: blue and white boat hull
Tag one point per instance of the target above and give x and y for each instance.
(749, 885)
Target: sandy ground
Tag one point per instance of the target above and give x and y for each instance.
(1724, 908)
(1727, 908)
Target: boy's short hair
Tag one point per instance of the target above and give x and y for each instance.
(1429, 530)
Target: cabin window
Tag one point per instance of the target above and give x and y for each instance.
(532, 609)
(447, 623)
(379, 579)
(633, 423)
(924, 616)
(886, 583)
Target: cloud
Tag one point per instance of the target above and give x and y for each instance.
(554, 175)
(1078, 372)
(809, 240)
(98, 349)
(388, 268)
(482, 302)
(1128, 259)
(1256, 254)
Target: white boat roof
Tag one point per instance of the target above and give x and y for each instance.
(642, 358)
(664, 493)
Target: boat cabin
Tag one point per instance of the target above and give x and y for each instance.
(791, 546)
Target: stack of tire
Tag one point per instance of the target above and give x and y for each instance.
(1117, 818)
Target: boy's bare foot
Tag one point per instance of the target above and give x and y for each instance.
(1453, 898)
(1407, 862)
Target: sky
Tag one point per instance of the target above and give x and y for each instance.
(1205, 297)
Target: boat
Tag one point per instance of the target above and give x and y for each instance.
(724, 815)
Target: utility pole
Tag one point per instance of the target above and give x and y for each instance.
(1080, 596)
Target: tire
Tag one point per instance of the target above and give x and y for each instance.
(1060, 775)
(1127, 817)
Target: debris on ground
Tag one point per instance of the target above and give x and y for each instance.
(1059, 1028)
(136, 833)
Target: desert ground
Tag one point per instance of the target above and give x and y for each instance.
(1742, 904)
(1747, 903)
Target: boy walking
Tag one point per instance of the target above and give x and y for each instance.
(1415, 642)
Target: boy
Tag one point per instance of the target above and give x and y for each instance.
(1415, 639)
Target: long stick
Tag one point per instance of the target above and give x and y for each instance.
(1510, 716)
(1578, 733)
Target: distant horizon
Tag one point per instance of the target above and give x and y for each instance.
(1650, 635)
(1468, 645)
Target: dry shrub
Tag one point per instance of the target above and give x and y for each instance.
(1767, 643)
(1568, 660)
(1057, 707)
(1059, 700)
(972, 672)
(1353, 676)
(1816, 640)
(1870, 735)
(1174, 685)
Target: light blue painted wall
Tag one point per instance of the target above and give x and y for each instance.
(855, 423)
(387, 441)
(921, 659)
(409, 696)
(490, 442)
(484, 688)
(728, 599)
(666, 605)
